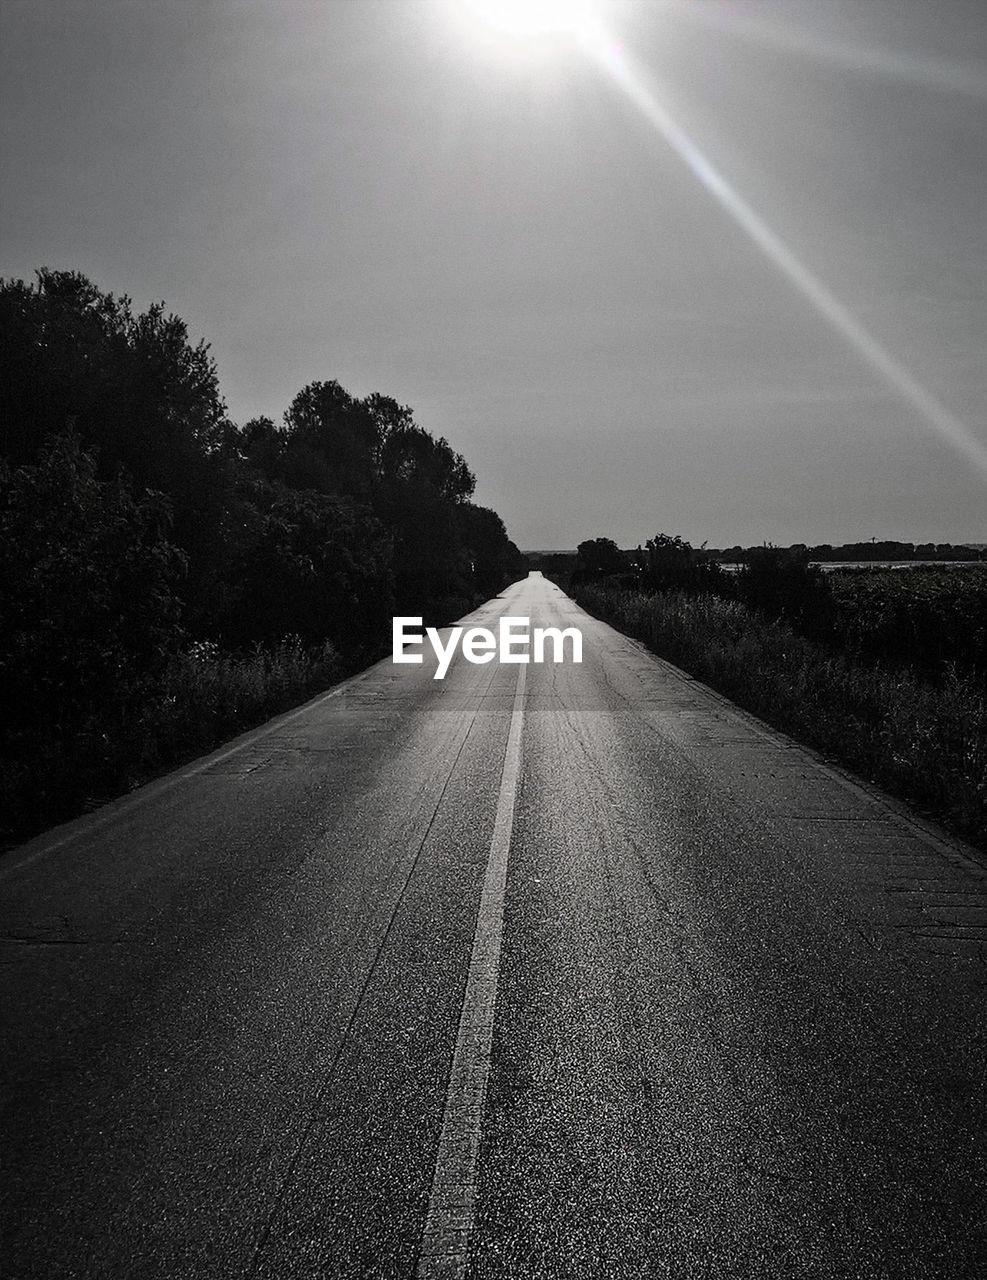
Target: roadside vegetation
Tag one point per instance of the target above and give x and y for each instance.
(882, 670)
(169, 577)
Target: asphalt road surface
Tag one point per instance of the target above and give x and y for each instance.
(534, 971)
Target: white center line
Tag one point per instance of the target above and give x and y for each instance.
(452, 1203)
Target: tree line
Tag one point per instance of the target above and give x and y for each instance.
(873, 551)
(137, 519)
(931, 619)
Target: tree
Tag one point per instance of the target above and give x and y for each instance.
(781, 583)
(598, 557)
(135, 390)
(410, 455)
(311, 564)
(89, 583)
(672, 564)
(421, 487)
(263, 445)
(494, 558)
(332, 441)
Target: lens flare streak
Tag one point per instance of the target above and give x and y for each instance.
(615, 63)
(939, 74)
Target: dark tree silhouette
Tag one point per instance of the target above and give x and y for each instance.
(493, 557)
(331, 441)
(780, 582)
(91, 613)
(598, 557)
(311, 564)
(136, 391)
(672, 564)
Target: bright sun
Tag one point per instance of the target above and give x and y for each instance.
(525, 20)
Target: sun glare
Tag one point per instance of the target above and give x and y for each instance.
(530, 20)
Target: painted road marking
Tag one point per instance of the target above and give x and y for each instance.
(316, 1115)
(452, 1203)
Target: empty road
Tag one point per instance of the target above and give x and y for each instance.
(549, 970)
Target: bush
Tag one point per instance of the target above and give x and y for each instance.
(934, 619)
(671, 564)
(205, 695)
(781, 583)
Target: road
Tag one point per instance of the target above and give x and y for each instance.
(533, 971)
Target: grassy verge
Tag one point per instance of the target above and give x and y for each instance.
(925, 743)
(202, 698)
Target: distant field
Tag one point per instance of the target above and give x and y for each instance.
(893, 564)
(827, 566)
(833, 566)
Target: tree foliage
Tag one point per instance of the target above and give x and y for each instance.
(672, 564)
(781, 583)
(494, 559)
(89, 583)
(312, 565)
(372, 454)
(139, 395)
(598, 558)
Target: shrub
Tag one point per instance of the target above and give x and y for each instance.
(932, 618)
(780, 583)
(671, 564)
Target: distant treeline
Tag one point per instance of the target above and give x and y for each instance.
(141, 529)
(865, 551)
(823, 553)
(930, 619)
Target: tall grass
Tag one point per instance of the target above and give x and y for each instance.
(205, 694)
(926, 743)
(202, 697)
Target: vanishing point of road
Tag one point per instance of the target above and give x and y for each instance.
(557, 970)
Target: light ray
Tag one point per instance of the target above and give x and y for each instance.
(940, 74)
(612, 59)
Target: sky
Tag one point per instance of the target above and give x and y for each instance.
(718, 269)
